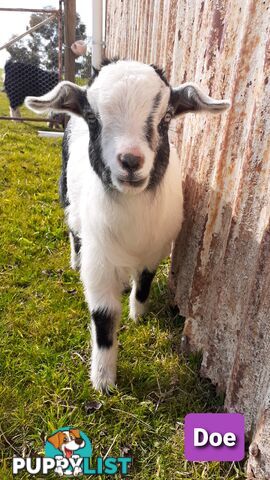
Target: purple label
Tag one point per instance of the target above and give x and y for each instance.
(214, 437)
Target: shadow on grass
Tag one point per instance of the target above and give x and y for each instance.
(159, 371)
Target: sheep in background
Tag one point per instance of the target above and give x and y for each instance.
(121, 188)
(23, 79)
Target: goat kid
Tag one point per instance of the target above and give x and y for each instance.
(121, 188)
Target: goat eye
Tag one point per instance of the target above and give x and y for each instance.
(167, 117)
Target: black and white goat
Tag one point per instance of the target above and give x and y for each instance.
(121, 188)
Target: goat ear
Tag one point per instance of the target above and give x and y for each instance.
(190, 98)
(66, 97)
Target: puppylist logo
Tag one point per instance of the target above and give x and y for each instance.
(68, 452)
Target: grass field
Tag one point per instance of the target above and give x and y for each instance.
(45, 341)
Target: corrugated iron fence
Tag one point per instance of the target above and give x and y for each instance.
(221, 263)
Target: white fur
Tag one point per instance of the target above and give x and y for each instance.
(103, 361)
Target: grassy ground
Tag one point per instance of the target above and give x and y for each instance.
(44, 338)
(1, 77)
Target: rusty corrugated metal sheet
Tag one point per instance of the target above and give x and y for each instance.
(221, 263)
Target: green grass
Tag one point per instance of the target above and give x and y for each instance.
(45, 342)
(1, 78)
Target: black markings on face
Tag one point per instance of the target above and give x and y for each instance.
(144, 285)
(160, 164)
(104, 323)
(161, 73)
(184, 101)
(95, 149)
(161, 160)
(149, 128)
(105, 61)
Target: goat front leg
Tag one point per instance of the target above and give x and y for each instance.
(105, 321)
(103, 296)
(141, 286)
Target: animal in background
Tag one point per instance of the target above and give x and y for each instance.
(23, 79)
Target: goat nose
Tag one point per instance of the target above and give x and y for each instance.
(131, 162)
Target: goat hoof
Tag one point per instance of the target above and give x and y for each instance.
(75, 263)
(107, 389)
(103, 383)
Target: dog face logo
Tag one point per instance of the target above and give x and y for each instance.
(68, 452)
(69, 447)
(67, 441)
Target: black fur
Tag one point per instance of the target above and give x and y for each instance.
(22, 80)
(72, 100)
(144, 285)
(82, 107)
(149, 121)
(161, 73)
(161, 161)
(105, 61)
(77, 242)
(95, 150)
(185, 100)
(104, 322)
(162, 155)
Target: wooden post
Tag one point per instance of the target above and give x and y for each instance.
(69, 30)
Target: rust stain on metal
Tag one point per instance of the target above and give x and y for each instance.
(220, 275)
